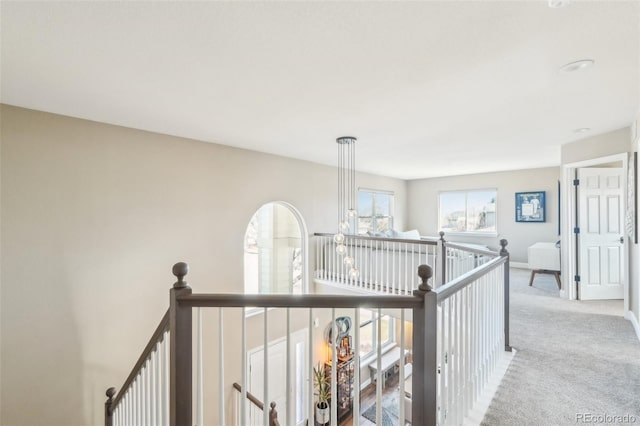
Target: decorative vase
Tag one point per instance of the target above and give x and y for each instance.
(323, 413)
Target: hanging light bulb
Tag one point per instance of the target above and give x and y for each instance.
(354, 273)
(347, 196)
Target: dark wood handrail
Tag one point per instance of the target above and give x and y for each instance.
(454, 286)
(273, 414)
(301, 301)
(155, 337)
(255, 401)
(427, 241)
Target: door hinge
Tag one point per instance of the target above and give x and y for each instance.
(576, 230)
(577, 278)
(576, 182)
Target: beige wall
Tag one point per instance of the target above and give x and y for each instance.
(598, 146)
(423, 206)
(93, 217)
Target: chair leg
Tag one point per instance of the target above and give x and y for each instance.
(533, 274)
(557, 275)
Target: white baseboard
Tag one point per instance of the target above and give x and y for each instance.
(475, 416)
(634, 321)
(519, 265)
(365, 384)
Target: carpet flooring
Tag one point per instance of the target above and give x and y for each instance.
(575, 359)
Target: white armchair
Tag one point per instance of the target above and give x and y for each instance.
(544, 258)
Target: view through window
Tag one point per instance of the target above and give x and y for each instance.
(375, 211)
(369, 331)
(468, 211)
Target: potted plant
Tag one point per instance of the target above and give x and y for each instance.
(323, 389)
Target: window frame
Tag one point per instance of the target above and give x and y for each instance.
(374, 217)
(374, 321)
(493, 233)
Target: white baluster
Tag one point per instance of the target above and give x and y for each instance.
(319, 265)
(158, 392)
(356, 380)
(288, 413)
(449, 361)
(459, 357)
(139, 399)
(310, 401)
(334, 369)
(379, 378)
(243, 394)
(265, 339)
(467, 362)
(221, 410)
(165, 379)
(476, 339)
(152, 387)
(443, 361)
(199, 377)
(388, 272)
(401, 391)
(125, 409)
(145, 394)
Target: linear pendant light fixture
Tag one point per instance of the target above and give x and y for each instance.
(347, 212)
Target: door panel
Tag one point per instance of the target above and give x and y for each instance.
(277, 383)
(601, 259)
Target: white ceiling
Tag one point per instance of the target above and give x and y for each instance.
(429, 88)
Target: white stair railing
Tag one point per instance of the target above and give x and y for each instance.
(386, 265)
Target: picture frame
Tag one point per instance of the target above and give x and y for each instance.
(531, 206)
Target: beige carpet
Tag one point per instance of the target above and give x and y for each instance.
(574, 360)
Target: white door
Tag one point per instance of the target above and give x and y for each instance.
(277, 379)
(601, 251)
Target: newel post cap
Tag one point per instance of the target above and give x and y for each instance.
(180, 270)
(110, 393)
(503, 250)
(425, 272)
(441, 233)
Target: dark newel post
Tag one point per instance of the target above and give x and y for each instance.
(273, 415)
(425, 364)
(443, 260)
(108, 409)
(505, 253)
(180, 382)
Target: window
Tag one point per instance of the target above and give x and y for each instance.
(273, 256)
(468, 211)
(375, 211)
(369, 324)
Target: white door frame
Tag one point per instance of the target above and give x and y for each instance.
(568, 238)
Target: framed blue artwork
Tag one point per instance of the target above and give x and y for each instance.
(530, 206)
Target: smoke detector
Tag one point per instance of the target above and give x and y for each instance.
(555, 4)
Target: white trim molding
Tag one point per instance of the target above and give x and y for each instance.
(634, 321)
